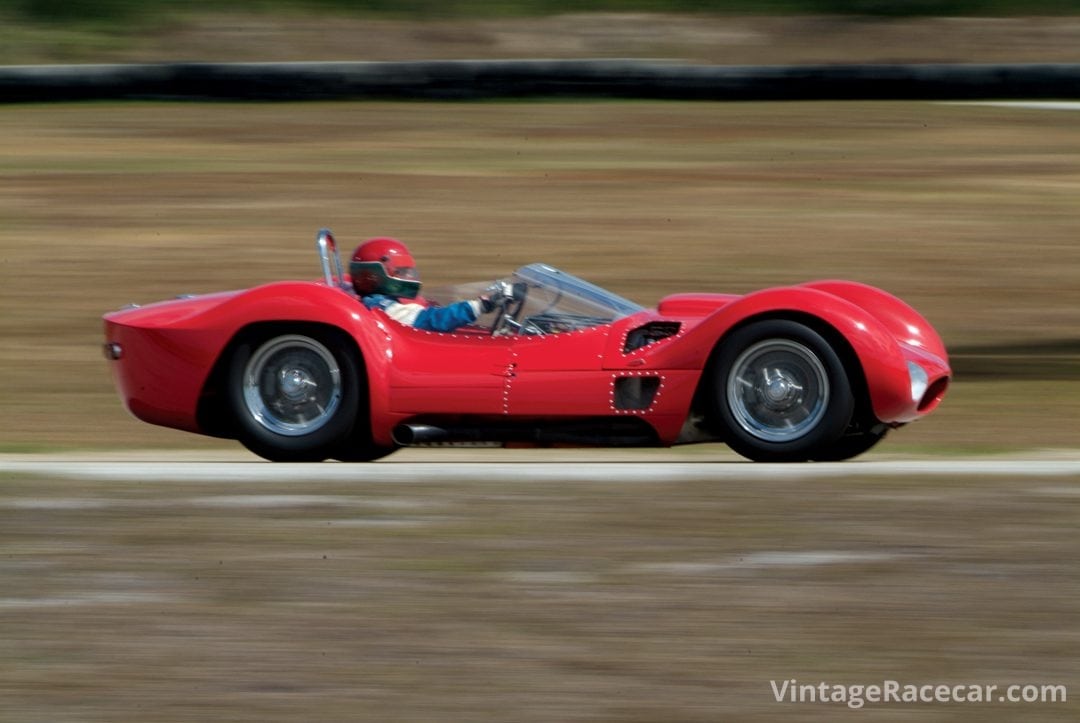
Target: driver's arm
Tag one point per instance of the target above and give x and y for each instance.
(428, 318)
(448, 318)
(432, 318)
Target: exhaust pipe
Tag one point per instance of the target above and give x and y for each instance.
(407, 435)
(617, 433)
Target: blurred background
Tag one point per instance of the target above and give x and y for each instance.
(969, 212)
(713, 31)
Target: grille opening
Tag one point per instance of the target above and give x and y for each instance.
(650, 333)
(934, 394)
(635, 392)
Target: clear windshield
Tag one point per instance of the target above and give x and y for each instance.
(553, 302)
(558, 301)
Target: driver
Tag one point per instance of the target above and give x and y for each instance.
(384, 275)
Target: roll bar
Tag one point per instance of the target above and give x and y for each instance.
(330, 258)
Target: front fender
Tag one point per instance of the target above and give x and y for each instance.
(902, 321)
(880, 354)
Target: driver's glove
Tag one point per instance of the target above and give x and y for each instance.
(496, 295)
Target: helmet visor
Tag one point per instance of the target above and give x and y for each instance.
(402, 288)
(404, 273)
(370, 277)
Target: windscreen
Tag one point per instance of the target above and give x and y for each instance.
(547, 301)
(557, 301)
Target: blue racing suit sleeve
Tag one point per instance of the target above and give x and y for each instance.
(445, 318)
(430, 318)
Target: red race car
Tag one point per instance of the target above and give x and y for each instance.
(304, 371)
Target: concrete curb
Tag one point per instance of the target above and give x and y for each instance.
(480, 79)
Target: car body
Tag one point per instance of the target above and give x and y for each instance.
(303, 371)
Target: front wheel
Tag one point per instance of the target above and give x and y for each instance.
(781, 392)
(852, 444)
(295, 397)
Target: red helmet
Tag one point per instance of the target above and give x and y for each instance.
(384, 266)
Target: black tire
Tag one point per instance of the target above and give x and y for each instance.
(359, 447)
(295, 397)
(780, 392)
(362, 452)
(852, 444)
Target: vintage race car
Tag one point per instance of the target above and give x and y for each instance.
(303, 371)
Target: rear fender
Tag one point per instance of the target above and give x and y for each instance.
(297, 305)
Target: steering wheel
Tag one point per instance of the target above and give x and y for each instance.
(508, 310)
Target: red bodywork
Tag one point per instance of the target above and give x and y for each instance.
(171, 354)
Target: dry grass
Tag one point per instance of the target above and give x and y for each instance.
(969, 213)
(541, 601)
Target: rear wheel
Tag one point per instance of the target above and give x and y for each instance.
(781, 392)
(359, 446)
(295, 397)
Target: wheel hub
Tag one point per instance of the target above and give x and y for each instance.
(292, 385)
(296, 384)
(780, 392)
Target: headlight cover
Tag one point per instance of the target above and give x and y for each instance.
(919, 381)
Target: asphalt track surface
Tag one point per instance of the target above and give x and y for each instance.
(1029, 104)
(524, 472)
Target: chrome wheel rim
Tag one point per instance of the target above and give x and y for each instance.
(292, 385)
(778, 390)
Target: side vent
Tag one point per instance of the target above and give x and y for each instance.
(650, 333)
(635, 392)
